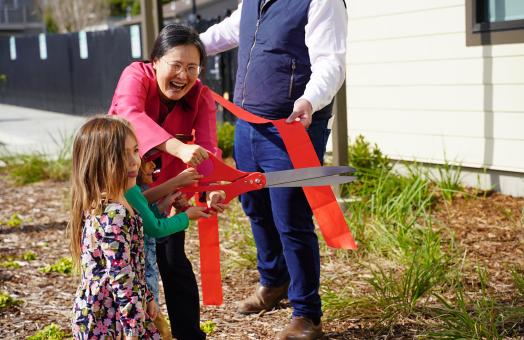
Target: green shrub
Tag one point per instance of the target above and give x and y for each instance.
(226, 137)
(369, 163)
(7, 300)
(62, 266)
(29, 256)
(50, 332)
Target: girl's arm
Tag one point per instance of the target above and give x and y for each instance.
(154, 226)
(186, 177)
(115, 241)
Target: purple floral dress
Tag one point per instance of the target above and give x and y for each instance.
(112, 296)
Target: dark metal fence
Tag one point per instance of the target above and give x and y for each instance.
(64, 82)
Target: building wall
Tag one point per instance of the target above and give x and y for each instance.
(417, 90)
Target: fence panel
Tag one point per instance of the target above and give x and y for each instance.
(66, 82)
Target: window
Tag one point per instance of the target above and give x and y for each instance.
(490, 22)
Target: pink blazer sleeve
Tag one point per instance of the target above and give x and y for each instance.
(136, 100)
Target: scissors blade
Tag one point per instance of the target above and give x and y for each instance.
(316, 182)
(286, 176)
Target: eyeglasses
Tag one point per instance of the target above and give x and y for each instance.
(192, 69)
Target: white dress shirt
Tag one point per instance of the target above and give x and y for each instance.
(326, 33)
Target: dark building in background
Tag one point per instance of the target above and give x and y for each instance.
(20, 17)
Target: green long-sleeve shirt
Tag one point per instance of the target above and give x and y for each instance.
(153, 223)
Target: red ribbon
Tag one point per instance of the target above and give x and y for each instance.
(321, 199)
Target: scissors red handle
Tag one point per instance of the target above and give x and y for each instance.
(240, 182)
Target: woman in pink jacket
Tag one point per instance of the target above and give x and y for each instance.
(166, 103)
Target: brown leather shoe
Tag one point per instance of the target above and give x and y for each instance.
(264, 298)
(301, 328)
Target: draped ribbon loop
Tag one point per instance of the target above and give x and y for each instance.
(322, 200)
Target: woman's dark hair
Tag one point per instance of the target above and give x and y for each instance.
(176, 35)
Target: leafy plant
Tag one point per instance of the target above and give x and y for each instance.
(50, 332)
(14, 221)
(29, 256)
(10, 264)
(62, 266)
(208, 327)
(7, 300)
(226, 137)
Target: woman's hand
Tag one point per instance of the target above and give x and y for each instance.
(187, 177)
(190, 154)
(215, 199)
(152, 309)
(196, 212)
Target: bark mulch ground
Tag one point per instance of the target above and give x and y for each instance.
(488, 228)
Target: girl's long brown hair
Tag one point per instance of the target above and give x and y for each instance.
(99, 171)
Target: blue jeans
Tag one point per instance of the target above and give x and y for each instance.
(151, 267)
(281, 219)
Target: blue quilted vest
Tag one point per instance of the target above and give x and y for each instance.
(273, 59)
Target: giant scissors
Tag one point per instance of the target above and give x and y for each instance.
(241, 182)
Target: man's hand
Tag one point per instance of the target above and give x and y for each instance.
(303, 111)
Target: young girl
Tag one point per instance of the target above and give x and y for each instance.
(156, 224)
(112, 300)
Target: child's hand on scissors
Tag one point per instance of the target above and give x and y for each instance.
(187, 177)
(215, 199)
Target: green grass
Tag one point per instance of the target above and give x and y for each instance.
(7, 300)
(35, 167)
(518, 281)
(448, 180)
(62, 266)
(476, 316)
(411, 264)
(50, 332)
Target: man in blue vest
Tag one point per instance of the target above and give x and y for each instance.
(291, 63)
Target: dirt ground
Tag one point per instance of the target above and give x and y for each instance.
(489, 229)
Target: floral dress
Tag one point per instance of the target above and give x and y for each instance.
(112, 296)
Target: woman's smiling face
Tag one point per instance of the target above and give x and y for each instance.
(177, 71)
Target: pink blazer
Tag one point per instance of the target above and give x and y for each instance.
(137, 99)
